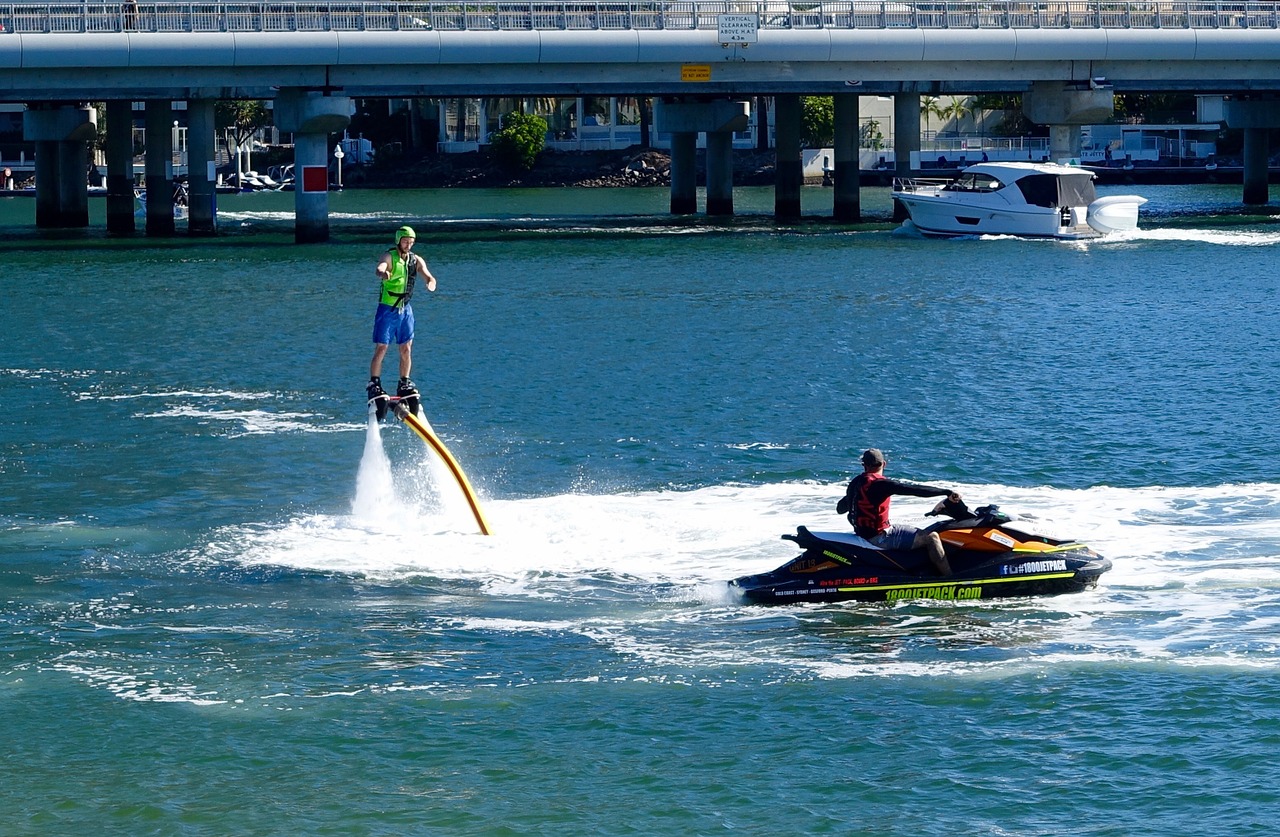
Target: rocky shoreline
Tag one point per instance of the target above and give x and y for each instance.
(590, 169)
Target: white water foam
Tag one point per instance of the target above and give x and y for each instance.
(1225, 238)
(228, 421)
(180, 393)
(428, 493)
(374, 502)
(253, 422)
(1155, 536)
(1196, 577)
(1196, 583)
(1221, 238)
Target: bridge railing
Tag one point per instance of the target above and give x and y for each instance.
(502, 15)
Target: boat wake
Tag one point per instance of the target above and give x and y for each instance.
(1159, 538)
(1224, 238)
(1196, 578)
(632, 585)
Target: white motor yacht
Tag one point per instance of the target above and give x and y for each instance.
(1025, 199)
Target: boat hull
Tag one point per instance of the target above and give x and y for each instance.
(939, 216)
(770, 588)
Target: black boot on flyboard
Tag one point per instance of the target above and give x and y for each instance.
(407, 396)
(378, 398)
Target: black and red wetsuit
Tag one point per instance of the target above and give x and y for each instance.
(866, 501)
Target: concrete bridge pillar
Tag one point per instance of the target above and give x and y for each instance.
(718, 119)
(311, 116)
(159, 167)
(1064, 108)
(1256, 188)
(906, 140)
(847, 204)
(788, 165)
(202, 176)
(73, 183)
(1255, 116)
(684, 173)
(120, 204)
(61, 134)
(311, 188)
(719, 173)
(1064, 142)
(48, 195)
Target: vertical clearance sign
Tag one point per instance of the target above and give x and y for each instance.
(738, 29)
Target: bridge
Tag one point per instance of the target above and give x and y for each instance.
(700, 59)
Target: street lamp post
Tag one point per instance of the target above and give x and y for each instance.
(338, 155)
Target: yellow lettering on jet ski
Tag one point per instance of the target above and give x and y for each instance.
(941, 592)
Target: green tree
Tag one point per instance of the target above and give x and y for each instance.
(817, 121)
(957, 110)
(520, 140)
(929, 107)
(100, 134)
(870, 135)
(1155, 108)
(1012, 122)
(242, 118)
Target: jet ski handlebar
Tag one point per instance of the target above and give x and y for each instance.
(954, 509)
(959, 510)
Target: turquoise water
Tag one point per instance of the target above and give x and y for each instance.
(232, 607)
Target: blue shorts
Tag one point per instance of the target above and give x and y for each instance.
(392, 324)
(896, 537)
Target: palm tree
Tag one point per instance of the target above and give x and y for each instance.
(957, 110)
(929, 107)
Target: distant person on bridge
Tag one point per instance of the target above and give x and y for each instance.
(397, 272)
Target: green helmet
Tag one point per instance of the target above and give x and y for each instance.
(405, 232)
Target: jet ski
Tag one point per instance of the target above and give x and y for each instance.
(991, 556)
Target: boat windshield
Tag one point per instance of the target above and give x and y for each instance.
(974, 182)
(1055, 190)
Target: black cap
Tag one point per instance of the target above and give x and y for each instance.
(872, 457)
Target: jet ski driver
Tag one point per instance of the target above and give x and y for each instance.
(866, 503)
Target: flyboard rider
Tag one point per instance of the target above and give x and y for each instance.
(397, 272)
(866, 503)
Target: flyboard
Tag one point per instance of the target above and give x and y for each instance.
(419, 424)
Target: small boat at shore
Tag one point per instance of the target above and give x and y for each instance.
(179, 203)
(1043, 200)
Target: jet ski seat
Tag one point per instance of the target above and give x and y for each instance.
(807, 539)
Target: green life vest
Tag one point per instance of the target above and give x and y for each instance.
(397, 288)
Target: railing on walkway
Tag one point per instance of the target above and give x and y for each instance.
(131, 16)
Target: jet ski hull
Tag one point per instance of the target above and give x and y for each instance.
(838, 567)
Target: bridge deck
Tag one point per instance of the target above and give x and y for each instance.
(538, 15)
(127, 49)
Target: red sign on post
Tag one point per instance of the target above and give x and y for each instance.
(315, 179)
